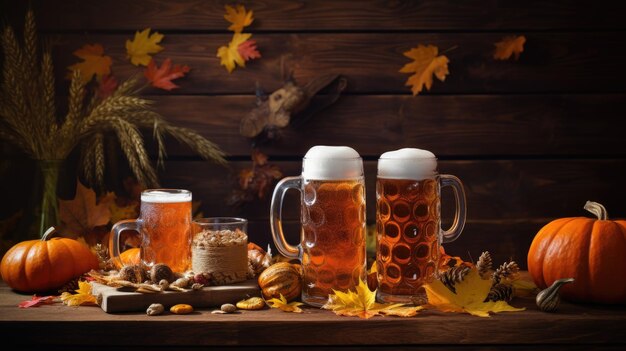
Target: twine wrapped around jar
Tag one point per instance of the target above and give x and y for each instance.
(223, 253)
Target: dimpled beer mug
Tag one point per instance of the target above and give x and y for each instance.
(332, 200)
(165, 226)
(408, 222)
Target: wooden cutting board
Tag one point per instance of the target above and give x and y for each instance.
(116, 300)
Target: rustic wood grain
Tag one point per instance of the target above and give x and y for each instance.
(59, 325)
(450, 126)
(554, 62)
(496, 189)
(369, 15)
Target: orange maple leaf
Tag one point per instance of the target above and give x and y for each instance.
(508, 46)
(239, 17)
(94, 62)
(425, 64)
(162, 77)
(80, 215)
(248, 50)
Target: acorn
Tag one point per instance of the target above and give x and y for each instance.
(161, 271)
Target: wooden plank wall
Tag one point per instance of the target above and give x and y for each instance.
(531, 139)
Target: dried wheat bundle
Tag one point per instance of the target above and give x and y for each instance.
(28, 116)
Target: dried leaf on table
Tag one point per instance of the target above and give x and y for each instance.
(94, 63)
(362, 304)
(509, 46)
(37, 301)
(80, 215)
(83, 296)
(426, 63)
(162, 77)
(284, 305)
(143, 45)
(470, 297)
(239, 17)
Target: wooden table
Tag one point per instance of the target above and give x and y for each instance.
(61, 327)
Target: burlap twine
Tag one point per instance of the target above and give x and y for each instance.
(227, 264)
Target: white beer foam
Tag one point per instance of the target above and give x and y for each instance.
(164, 196)
(332, 163)
(407, 163)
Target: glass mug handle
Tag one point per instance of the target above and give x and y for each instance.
(276, 216)
(461, 211)
(116, 232)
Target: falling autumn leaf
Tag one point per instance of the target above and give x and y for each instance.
(470, 296)
(37, 301)
(83, 296)
(229, 55)
(284, 305)
(255, 182)
(106, 87)
(142, 46)
(162, 77)
(425, 64)
(94, 62)
(508, 46)
(80, 215)
(362, 304)
(248, 50)
(239, 17)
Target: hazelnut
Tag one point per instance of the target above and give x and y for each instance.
(161, 271)
(228, 308)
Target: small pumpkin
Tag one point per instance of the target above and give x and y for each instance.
(281, 278)
(593, 251)
(42, 265)
(129, 257)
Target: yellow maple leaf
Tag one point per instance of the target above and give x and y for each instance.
(470, 296)
(425, 64)
(229, 55)
(362, 303)
(284, 305)
(239, 17)
(83, 296)
(142, 46)
(94, 63)
(508, 46)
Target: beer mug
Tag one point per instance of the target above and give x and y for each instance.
(332, 200)
(408, 222)
(164, 224)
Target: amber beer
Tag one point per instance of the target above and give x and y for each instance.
(408, 222)
(333, 226)
(332, 248)
(165, 226)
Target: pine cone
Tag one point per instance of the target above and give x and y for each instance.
(452, 276)
(507, 271)
(70, 286)
(484, 264)
(500, 292)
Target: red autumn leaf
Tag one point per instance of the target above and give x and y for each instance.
(37, 301)
(248, 50)
(162, 77)
(107, 86)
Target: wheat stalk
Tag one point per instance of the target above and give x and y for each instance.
(28, 115)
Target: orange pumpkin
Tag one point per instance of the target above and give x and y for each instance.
(592, 251)
(129, 257)
(46, 264)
